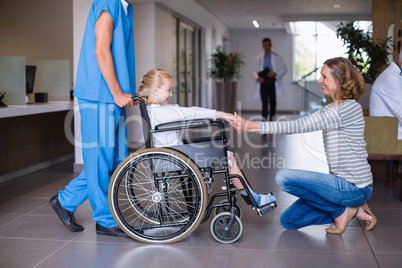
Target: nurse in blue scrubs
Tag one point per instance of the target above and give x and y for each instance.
(105, 85)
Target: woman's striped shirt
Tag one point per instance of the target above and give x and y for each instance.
(343, 134)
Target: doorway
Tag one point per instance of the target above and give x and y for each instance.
(186, 65)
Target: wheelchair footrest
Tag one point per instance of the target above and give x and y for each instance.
(260, 210)
(267, 208)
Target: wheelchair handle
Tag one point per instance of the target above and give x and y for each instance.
(136, 98)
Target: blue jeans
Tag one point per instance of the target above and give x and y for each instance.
(322, 197)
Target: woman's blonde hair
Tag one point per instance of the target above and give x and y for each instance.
(348, 77)
(152, 78)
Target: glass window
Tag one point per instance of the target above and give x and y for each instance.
(315, 42)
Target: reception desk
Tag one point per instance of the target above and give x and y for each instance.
(33, 137)
(37, 108)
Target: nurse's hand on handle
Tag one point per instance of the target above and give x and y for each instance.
(124, 100)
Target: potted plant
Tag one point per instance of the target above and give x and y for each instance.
(369, 56)
(226, 67)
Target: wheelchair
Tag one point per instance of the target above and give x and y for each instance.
(161, 195)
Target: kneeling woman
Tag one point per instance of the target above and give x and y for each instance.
(342, 194)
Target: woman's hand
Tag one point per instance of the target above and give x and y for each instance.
(225, 116)
(242, 125)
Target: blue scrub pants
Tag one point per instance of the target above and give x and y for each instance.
(322, 197)
(104, 146)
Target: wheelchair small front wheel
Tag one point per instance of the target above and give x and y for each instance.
(225, 229)
(226, 208)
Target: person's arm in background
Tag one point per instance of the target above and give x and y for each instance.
(391, 94)
(104, 37)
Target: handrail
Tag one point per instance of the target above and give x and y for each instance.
(315, 70)
(309, 90)
(310, 97)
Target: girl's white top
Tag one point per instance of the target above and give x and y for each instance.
(160, 114)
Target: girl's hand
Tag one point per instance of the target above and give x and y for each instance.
(242, 125)
(225, 116)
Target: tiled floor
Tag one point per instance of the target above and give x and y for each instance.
(31, 235)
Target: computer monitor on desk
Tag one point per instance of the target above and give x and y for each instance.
(30, 71)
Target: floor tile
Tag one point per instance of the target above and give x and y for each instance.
(315, 239)
(385, 241)
(20, 205)
(7, 218)
(253, 237)
(22, 253)
(37, 227)
(209, 257)
(101, 255)
(292, 259)
(389, 260)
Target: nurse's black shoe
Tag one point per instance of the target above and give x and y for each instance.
(113, 231)
(66, 217)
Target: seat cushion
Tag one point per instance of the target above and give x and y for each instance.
(381, 134)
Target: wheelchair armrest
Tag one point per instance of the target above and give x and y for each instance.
(219, 122)
(184, 124)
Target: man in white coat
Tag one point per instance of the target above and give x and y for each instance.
(386, 93)
(269, 70)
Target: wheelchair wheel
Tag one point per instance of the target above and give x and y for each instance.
(239, 212)
(157, 195)
(221, 230)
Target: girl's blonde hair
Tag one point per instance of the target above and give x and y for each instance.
(152, 78)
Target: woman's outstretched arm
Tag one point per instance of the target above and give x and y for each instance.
(242, 125)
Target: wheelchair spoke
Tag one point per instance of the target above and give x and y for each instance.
(158, 196)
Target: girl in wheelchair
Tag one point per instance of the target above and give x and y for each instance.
(155, 90)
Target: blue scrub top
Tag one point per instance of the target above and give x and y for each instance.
(90, 84)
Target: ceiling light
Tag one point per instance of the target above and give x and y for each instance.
(255, 23)
(337, 6)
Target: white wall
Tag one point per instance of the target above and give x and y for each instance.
(144, 38)
(164, 40)
(154, 37)
(37, 30)
(249, 43)
(80, 14)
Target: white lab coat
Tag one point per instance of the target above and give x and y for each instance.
(160, 114)
(278, 66)
(386, 95)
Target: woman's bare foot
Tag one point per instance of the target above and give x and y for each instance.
(365, 214)
(342, 221)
